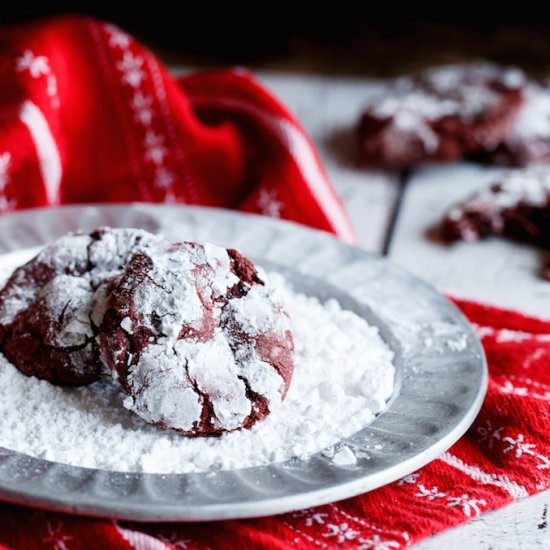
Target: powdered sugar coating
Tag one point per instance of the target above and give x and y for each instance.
(67, 255)
(49, 310)
(68, 297)
(440, 114)
(534, 117)
(465, 90)
(343, 377)
(166, 397)
(528, 140)
(223, 332)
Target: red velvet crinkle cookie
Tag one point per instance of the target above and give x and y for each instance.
(440, 115)
(50, 308)
(517, 205)
(197, 340)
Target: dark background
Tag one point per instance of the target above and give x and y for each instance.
(343, 36)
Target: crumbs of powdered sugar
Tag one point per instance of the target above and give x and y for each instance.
(343, 376)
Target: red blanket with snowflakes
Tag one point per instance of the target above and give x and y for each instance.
(88, 114)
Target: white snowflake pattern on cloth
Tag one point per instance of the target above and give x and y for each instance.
(269, 204)
(305, 512)
(429, 494)
(487, 433)
(141, 104)
(467, 504)
(164, 178)
(409, 479)
(519, 446)
(117, 37)
(317, 518)
(56, 536)
(522, 448)
(341, 531)
(376, 543)
(372, 527)
(5, 160)
(37, 65)
(154, 147)
(131, 68)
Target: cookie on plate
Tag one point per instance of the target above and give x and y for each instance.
(51, 306)
(197, 340)
(440, 115)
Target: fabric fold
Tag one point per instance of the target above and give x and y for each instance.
(88, 114)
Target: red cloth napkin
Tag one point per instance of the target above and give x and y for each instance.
(87, 114)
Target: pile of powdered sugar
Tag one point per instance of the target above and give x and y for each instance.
(343, 376)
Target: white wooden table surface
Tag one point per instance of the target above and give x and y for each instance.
(397, 218)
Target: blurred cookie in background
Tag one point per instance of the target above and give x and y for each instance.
(440, 115)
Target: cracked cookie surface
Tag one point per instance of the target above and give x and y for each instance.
(517, 205)
(50, 308)
(197, 340)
